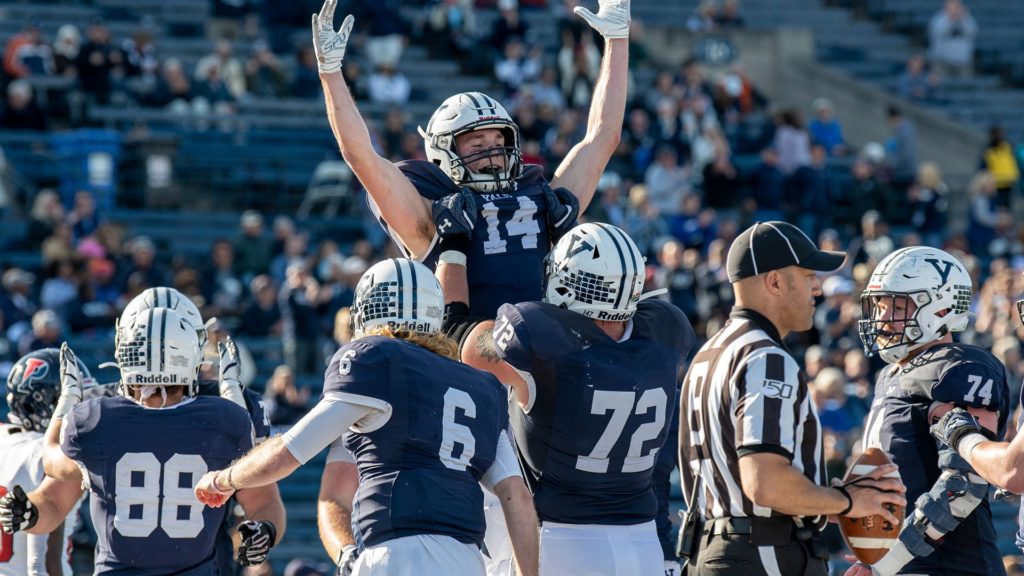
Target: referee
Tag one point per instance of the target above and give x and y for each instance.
(748, 432)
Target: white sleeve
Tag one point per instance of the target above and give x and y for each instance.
(35, 564)
(329, 419)
(505, 464)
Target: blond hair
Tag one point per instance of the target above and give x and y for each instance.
(436, 342)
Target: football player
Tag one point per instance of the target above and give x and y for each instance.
(915, 300)
(594, 369)
(33, 386)
(141, 454)
(426, 431)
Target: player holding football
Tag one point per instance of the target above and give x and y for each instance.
(140, 454)
(915, 300)
(33, 386)
(426, 431)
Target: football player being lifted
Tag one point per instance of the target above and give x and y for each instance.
(593, 368)
(426, 432)
(33, 387)
(140, 454)
(915, 300)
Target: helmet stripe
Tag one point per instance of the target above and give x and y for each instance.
(149, 340)
(626, 244)
(400, 309)
(412, 275)
(163, 333)
(622, 262)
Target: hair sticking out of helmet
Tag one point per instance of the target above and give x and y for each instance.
(463, 113)
(915, 296)
(398, 293)
(164, 297)
(158, 348)
(596, 270)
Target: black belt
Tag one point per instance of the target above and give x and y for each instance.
(776, 531)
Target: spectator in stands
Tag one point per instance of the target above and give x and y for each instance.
(385, 27)
(546, 91)
(212, 94)
(643, 222)
(792, 143)
(306, 77)
(669, 128)
(874, 242)
(928, 204)
(834, 412)
(142, 262)
(355, 80)
(221, 287)
(60, 286)
(809, 193)
(951, 34)
(917, 83)
(58, 246)
(227, 18)
(16, 303)
(610, 206)
(981, 228)
(639, 141)
(299, 298)
(141, 59)
(508, 26)
(703, 17)
(664, 88)
(518, 66)
(96, 62)
(231, 70)
(65, 50)
(27, 54)
(83, 218)
(901, 149)
(285, 404)
(667, 181)
(47, 332)
(825, 129)
(174, 89)
(95, 304)
(691, 82)
(698, 117)
(721, 182)
(767, 189)
(836, 318)
(999, 160)
(254, 250)
(264, 73)
(387, 85)
(694, 226)
(20, 111)
(47, 213)
(262, 317)
(453, 30)
(729, 16)
(579, 72)
(677, 272)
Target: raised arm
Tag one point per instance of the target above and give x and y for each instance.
(400, 204)
(584, 164)
(55, 463)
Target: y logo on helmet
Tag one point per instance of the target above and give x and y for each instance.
(941, 266)
(574, 249)
(35, 369)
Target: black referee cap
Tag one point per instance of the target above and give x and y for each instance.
(767, 246)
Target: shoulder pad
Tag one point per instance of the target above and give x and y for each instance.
(428, 179)
(361, 367)
(664, 323)
(532, 174)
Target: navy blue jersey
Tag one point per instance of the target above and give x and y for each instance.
(253, 404)
(600, 411)
(898, 424)
(510, 238)
(421, 459)
(143, 465)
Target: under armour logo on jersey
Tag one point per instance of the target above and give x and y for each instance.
(444, 225)
(776, 389)
(941, 266)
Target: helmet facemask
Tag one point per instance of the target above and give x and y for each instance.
(895, 334)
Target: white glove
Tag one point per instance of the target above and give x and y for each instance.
(672, 568)
(230, 384)
(328, 44)
(611, 20)
(346, 560)
(70, 382)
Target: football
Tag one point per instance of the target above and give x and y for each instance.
(870, 537)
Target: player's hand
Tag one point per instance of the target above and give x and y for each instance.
(258, 537)
(455, 214)
(858, 568)
(328, 44)
(563, 209)
(672, 568)
(230, 384)
(210, 493)
(17, 512)
(954, 426)
(872, 492)
(347, 560)
(70, 382)
(611, 20)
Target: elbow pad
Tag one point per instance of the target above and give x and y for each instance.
(954, 497)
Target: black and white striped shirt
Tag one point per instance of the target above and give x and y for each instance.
(744, 393)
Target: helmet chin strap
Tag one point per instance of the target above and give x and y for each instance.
(148, 391)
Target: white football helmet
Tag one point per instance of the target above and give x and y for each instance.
(924, 293)
(158, 347)
(399, 293)
(596, 270)
(463, 113)
(164, 297)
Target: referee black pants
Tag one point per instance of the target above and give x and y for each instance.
(780, 553)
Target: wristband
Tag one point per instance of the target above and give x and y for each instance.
(849, 500)
(968, 443)
(231, 484)
(452, 257)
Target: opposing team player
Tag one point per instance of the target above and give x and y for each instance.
(33, 386)
(594, 370)
(915, 300)
(473, 144)
(141, 454)
(426, 432)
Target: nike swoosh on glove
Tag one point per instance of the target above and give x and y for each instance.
(258, 537)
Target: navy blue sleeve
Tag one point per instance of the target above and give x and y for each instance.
(241, 425)
(512, 338)
(428, 179)
(974, 385)
(258, 414)
(361, 367)
(75, 438)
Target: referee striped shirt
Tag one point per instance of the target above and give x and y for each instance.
(743, 394)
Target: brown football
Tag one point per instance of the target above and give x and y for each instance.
(870, 537)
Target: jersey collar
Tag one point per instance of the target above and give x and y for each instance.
(757, 319)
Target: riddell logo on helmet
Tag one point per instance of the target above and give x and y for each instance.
(616, 317)
(156, 379)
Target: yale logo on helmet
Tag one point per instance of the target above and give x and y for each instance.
(35, 369)
(943, 267)
(574, 249)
